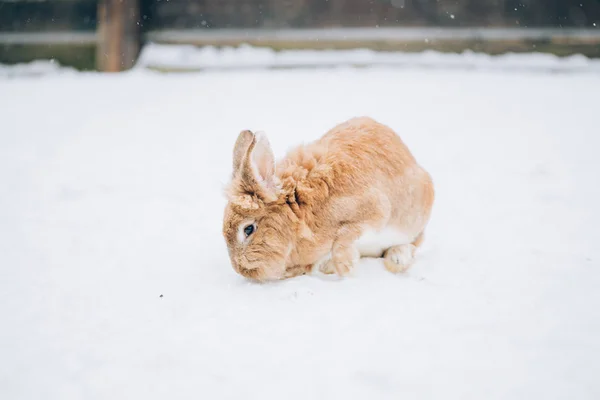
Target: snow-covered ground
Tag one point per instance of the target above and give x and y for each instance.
(115, 281)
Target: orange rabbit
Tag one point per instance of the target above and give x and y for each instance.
(357, 191)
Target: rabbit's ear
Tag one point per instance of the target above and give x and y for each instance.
(254, 165)
(241, 148)
(262, 160)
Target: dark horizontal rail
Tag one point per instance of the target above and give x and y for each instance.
(47, 38)
(362, 34)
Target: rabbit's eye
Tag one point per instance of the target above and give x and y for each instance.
(249, 230)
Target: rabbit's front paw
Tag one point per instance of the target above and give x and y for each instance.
(325, 265)
(344, 259)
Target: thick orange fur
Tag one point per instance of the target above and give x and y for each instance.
(318, 201)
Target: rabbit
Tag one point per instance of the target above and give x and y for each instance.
(356, 192)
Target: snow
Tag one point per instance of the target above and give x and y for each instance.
(246, 57)
(115, 281)
(34, 68)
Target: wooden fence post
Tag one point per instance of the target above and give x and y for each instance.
(118, 34)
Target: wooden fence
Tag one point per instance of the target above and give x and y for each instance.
(107, 34)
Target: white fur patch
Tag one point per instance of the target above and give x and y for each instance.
(373, 243)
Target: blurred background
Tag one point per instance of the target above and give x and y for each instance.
(109, 34)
